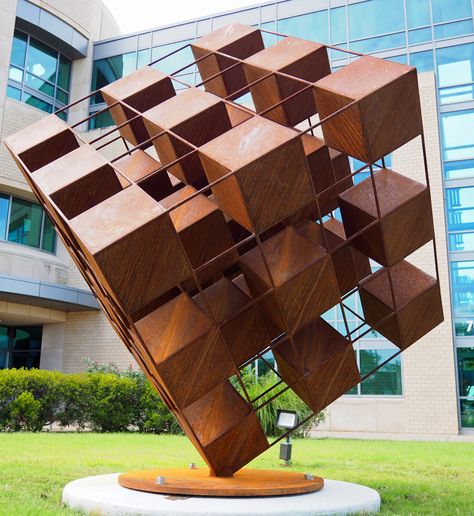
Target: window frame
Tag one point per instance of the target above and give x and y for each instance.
(25, 89)
(10, 351)
(4, 238)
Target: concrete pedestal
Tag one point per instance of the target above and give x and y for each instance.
(103, 495)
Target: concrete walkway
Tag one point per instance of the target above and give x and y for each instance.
(321, 434)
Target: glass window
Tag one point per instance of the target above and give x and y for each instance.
(418, 13)
(313, 26)
(102, 120)
(455, 65)
(456, 94)
(176, 61)
(25, 223)
(388, 379)
(460, 208)
(458, 169)
(41, 68)
(20, 346)
(423, 61)
(447, 10)
(19, 49)
(467, 413)
(461, 242)
(13, 93)
(451, 30)
(457, 129)
(15, 74)
(269, 39)
(64, 73)
(462, 284)
(419, 36)
(466, 372)
(403, 59)
(376, 17)
(338, 25)
(380, 43)
(36, 102)
(42, 60)
(110, 69)
(4, 207)
(48, 242)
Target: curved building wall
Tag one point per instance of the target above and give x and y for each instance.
(43, 290)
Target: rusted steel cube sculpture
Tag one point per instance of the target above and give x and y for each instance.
(224, 245)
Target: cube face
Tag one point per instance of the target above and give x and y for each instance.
(203, 232)
(235, 40)
(319, 365)
(134, 222)
(42, 142)
(350, 266)
(403, 203)
(198, 284)
(296, 58)
(417, 309)
(83, 175)
(302, 274)
(387, 112)
(140, 91)
(194, 116)
(241, 325)
(269, 165)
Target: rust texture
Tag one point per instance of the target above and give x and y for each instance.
(213, 237)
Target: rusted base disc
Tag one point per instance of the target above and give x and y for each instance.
(198, 482)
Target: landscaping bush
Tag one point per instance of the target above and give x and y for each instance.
(103, 399)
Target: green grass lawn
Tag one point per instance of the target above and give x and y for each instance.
(412, 478)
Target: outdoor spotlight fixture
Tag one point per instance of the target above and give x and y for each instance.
(286, 420)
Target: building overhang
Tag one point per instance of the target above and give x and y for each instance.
(46, 295)
(51, 30)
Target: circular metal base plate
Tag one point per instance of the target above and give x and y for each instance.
(198, 482)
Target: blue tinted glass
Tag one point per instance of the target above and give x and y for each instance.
(48, 241)
(381, 43)
(143, 57)
(16, 74)
(460, 208)
(64, 75)
(269, 39)
(338, 25)
(18, 49)
(419, 36)
(455, 64)
(398, 59)
(465, 358)
(447, 10)
(423, 61)
(101, 120)
(4, 205)
(312, 26)
(37, 103)
(457, 129)
(385, 381)
(450, 30)
(418, 13)
(25, 223)
(42, 60)
(462, 284)
(110, 69)
(375, 17)
(456, 94)
(461, 241)
(40, 85)
(13, 93)
(457, 169)
(176, 61)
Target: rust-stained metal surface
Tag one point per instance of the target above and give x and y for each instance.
(211, 239)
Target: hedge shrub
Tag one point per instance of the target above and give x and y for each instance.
(104, 399)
